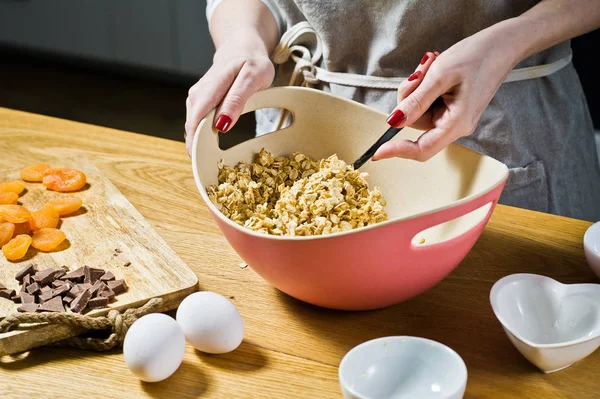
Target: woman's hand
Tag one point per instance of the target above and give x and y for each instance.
(448, 93)
(241, 67)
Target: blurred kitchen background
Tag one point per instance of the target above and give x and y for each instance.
(127, 64)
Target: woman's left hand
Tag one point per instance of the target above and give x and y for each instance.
(448, 93)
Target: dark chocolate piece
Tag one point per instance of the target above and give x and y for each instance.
(108, 276)
(84, 286)
(99, 302)
(33, 288)
(45, 289)
(95, 290)
(16, 298)
(91, 275)
(127, 264)
(75, 291)
(57, 283)
(79, 304)
(76, 275)
(53, 305)
(45, 296)
(65, 268)
(27, 298)
(29, 269)
(59, 273)
(7, 293)
(107, 293)
(60, 291)
(67, 300)
(118, 286)
(44, 277)
(27, 280)
(23, 288)
(28, 308)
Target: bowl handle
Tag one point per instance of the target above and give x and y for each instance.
(417, 225)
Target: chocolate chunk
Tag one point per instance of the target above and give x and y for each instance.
(75, 291)
(7, 293)
(107, 293)
(29, 269)
(53, 305)
(67, 300)
(95, 290)
(59, 273)
(45, 296)
(33, 288)
(76, 275)
(79, 304)
(118, 286)
(60, 291)
(84, 286)
(57, 283)
(44, 276)
(99, 302)
(16, 298)
(28, 308)
(45, 289)
(65, 268)
(91, 274)
(26, 280)
(23, 288)
(108, 276)
(127, 264)
(27, 298)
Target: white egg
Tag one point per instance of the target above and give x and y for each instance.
(154, 347)
(211, 323)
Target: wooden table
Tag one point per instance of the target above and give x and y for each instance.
(291, 349)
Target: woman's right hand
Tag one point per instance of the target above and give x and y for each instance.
(241, 67)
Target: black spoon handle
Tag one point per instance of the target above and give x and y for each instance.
(387, 136)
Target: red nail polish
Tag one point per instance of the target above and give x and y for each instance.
(436, 53)
(424, 59)
(396, 118)
(223, 122)
(414, 76)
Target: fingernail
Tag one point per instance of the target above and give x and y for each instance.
(424, 59)
(414, 76)
(396, 118)
(223, 122)
(436, 53)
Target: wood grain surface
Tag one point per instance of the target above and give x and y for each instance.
(291, 349)
(107, 222)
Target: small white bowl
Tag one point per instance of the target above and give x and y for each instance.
(552, 324)
(402, 367)
(591, 247)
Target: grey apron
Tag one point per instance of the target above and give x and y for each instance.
(538, 123)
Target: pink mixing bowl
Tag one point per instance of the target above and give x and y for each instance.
(437, 209)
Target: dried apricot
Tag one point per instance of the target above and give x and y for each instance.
(47, 239)
(45, 217)
(66, 205)
(64, 179)
(7, 230)
(14, 213)
(15, 186)
(22, 228)
(35, 173)
(8, 197)
(16, 248)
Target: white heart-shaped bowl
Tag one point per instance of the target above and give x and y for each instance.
(591, 247)
(552, 324)
(402, 367)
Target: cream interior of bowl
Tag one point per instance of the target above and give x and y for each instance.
(324, 124)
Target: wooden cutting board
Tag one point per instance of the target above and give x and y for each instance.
(107, 232)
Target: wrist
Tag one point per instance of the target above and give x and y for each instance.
(243, 41)
(520, 38)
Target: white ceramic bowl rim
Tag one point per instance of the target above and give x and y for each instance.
(244, 230)
(504, 281)
(594, 229)
(453, 354)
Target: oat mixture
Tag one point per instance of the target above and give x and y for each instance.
(296, 196)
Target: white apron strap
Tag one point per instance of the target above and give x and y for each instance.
(307, 73)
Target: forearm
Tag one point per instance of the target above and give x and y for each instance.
(244, 20)
(548, 23)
